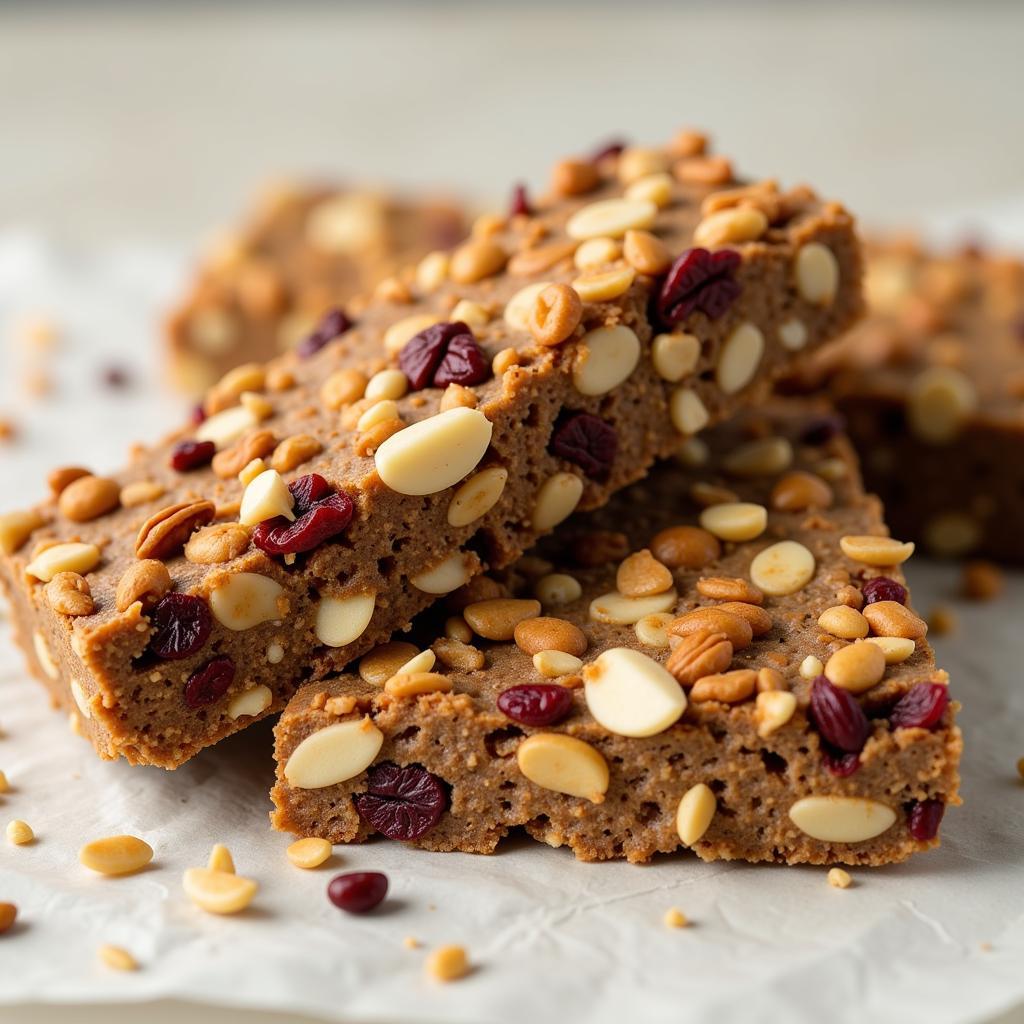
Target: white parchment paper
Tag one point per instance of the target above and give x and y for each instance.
(939, 939)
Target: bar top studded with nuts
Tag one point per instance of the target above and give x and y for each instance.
(932, 385)
(321, 501)
(723, 658)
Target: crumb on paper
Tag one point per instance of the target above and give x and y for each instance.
(675, 918)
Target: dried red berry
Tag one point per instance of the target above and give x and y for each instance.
(192, 454)
(198, 414)
(116, 377)
(334, 324)
(520, 203)
(358, 892)
(209, 682)
(822, 429)
(921, 707)
(838, 716)
(587, 441)
(699, 280)
(839, 764)
(881, 588)
(320, 514)
(536, 704)
(402, 803)
(924, 818)
(614, 147)
(443, 354)
(181, 625)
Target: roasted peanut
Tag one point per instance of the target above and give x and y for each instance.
(545, 633)
(717, 620)
(685, 547)
(727, 687)
(146, 581)
(729, 588)
(555, 315)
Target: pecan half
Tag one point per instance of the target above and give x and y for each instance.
(165, 532)
(701, 653)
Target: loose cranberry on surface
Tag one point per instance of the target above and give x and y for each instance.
(881, 588)
(402, 803)
(116, 377)
(209, 682)
(443, 354)
(921, 707)
(358, 892)
(699, 280)
(536, 704)
(181, 625)
(587, 441)
(191, 455)
(838, 763)
(320, 513)
(924, 818)
(333, 325)
(520, 203)
(839, 717)
(614, 147)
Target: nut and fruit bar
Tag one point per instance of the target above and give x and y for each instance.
(932, 388)
(329, 496)
(722, 658)
(301, 250)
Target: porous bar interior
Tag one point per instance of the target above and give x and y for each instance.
(302, 249)
(932, 387)
(723, 658)
(329, 496)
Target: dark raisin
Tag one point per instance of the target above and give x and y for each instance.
(334, 324)
(839, 717)
(358, 892)
(921, 707)
(520, 203)
(402, 803)
(536, 704)
(181, 625)
(209, 682)
(881, 588)
(699, 281)
(443, 354)
(587, 441)
(307, 491)
(839, 763)
(822, 429)
(191, 455)
(924, 818)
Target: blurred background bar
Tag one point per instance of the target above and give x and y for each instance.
(156, 120)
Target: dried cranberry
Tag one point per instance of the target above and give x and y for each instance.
(358, 892)
(116, 377)
(881, 588)
(443, 354)
(839, 763)
(333, 325)
(822, 429)
(181, 625)
(520, 203)
(209, 682)
(320, 513)
(402, 803)
(921, 707)
(924, 818)
(614, 147)
(198, 414)
(699, 280)
(192, 454)
(587, 441)
(536, 704)
(838, 716)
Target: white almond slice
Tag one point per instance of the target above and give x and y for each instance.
(81, 699)
(340, 620)
(611, 218)
(630, 694)
(454, 572)
(605, 358)
(557, 498)
(696, 811)
(43, 655)
(266, 497)
(226, 427)
(435, 453)
(246, 599)
(70, 557)
(895, 648)
(477, 496)
(564, 764)
(250, 703)
(335, 754)
(841, 819)
(619, 610)
(782, 568)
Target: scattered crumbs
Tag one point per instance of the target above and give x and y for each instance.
(447, 963)
(839, 879)
(982, 581)
(411, 942)
(1020, 767)
(117, 958)
(675, 918)
(941, 621)
(115, 377)
(38, 383)
(8, 431)
(985, 947)
(39, 332)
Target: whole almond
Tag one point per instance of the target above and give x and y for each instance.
(146, 581)
(727, 687)
(757, 618)
(58, 479)
(546, 633)
(165, 532)
(717, 620)
(699, 654)
(642, 575)
(89, 497)
(890, 618)
(475, 260)
(294, 451)
(729, 588)
(574, 177)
